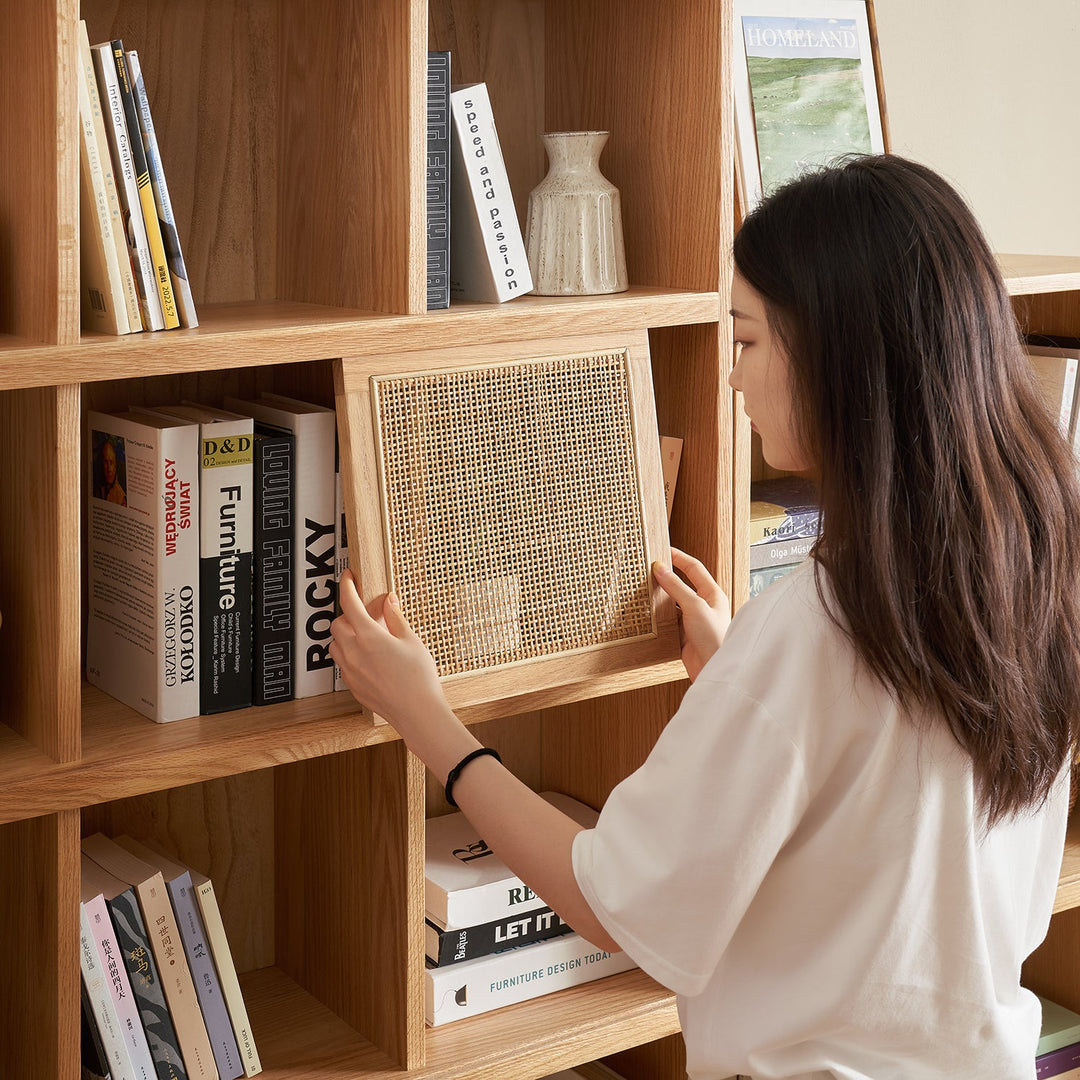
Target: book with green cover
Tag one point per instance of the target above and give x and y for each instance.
(1060, 1027)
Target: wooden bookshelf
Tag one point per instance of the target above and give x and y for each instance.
(293, 137)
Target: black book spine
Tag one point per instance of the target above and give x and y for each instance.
(138, 957)
(472, 942)
(438, 180)
(275, 455)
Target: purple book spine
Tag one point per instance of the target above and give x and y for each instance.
(1057, 1061)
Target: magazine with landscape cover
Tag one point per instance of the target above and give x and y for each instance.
(806, 91)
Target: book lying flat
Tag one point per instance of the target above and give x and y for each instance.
(505, 978)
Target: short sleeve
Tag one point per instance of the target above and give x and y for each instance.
(683, 843)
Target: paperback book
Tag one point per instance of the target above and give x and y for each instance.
(487, 251)
(170, 237)
(505, 978)
(143, 541)
(783, 508)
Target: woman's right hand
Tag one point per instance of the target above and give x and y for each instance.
(704, 609)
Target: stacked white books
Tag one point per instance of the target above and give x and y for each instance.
(491, 941)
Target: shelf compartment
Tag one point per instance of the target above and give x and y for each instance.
(1068, 891)
(297, 1037)
(315, 865)
(1038, 274)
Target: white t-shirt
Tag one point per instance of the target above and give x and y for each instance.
(809, 873)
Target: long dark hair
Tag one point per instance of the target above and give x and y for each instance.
(950, 501)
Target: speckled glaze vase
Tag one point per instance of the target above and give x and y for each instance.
(573, 232)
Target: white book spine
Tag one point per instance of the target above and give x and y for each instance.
(487, 251)
(506, 978)
(313, 532)
(142, 639)
(124, 166)
(116, 976)
(482, 903)
(185, 302)
(102, 1004)
(100, 290)
(112, 196)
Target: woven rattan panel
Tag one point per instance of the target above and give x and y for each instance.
(512, 508)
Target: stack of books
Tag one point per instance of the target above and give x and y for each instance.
(784, 523)
(490, 940)
(214, 554)
(160, 990)
(132, 267)
(1058, 1054)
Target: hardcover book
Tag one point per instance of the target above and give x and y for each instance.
(138, 957)
(165, 944)
(467, 884)
(170, 238)
(1063, 1064)
(438, 180)
(143, 540)
(487, 252)
(670, 456)
(444, 946)
(314, 586)
(227, 516)
(275, 608)
(197, 950)
(127, 183)
(1060, 1027)
(505, 978)
(139, 1060)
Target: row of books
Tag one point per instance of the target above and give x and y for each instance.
(784, 524)
(216, 541)
(476, 250)
(161, 998)
(490, 941)
(132, 269)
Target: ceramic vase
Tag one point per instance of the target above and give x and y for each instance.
(573, 231)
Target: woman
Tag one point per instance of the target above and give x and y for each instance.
(847, 840)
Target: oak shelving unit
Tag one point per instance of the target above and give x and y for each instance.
(293, 135)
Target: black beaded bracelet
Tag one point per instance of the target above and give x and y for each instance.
(455, 772)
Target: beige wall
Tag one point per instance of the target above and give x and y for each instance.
(988, 93)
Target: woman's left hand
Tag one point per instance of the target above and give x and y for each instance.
(383, 662)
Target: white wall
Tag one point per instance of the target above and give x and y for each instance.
(987, 92)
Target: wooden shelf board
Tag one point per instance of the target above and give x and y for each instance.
(1028, 274)
(274, 332)
(299, 1039)
(1068, 891)
(124, 754)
